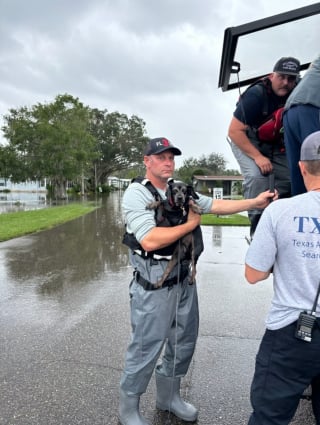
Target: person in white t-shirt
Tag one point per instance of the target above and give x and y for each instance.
(287, 244)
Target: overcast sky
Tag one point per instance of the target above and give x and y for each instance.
(157, 59)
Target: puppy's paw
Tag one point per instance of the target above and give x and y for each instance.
(153, 205)
(195, 208)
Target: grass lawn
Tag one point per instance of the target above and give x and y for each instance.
(13, 225)
(224, 220)
(16, 224)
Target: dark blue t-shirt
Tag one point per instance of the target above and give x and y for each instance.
(256, 104)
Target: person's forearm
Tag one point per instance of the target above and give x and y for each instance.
(238, 134)
(225, 206)
(160, 237)
(241, 140)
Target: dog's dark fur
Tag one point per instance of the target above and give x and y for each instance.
(178, 196)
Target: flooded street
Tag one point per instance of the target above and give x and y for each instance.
(64, 326)
(56, 275)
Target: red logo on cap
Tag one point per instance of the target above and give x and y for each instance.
(165, 142)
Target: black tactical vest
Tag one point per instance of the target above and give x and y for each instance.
(166, 216)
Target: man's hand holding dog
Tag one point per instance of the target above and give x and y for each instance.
(159, 237)
(193, 217)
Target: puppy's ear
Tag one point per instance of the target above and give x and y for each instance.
(169, 194)
(191, 192)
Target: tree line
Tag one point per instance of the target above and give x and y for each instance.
(66, 141)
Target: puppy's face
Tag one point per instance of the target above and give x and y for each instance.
(178, 194)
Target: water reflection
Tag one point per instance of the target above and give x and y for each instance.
(22, 201)
(76, 254)
(216, 235)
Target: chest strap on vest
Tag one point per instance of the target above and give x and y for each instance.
(148, 286)
(146, 254)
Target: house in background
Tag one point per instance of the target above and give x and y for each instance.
(229, 184)
(22, 196)
(118, 183)
(28, 186)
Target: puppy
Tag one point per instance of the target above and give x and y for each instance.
(178, 196)
(174, 211)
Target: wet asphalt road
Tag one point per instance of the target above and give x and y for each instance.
(64, 327)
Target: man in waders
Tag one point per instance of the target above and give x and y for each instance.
(167, 316)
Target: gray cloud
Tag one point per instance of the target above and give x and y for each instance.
(157, 59)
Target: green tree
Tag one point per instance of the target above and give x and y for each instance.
(8, 161)
(120, 141)
(50, 141)
(237, 187)
(213, 164)
(232, 172)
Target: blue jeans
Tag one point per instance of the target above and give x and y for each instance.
(285, 367)
(298, 121)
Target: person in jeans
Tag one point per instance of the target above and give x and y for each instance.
(287, 243)
(259, 157)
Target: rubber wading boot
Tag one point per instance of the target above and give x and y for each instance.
(168, 398)
(129, 410)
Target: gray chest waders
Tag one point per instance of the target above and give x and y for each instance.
(168, 387)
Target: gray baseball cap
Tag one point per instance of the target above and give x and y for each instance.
(310, 149)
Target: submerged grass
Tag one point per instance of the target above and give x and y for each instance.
(13, 225)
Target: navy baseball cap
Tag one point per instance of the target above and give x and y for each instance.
(160, 144)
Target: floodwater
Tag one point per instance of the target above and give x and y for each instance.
(51, 274)
(22, 201)
(65, 326)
